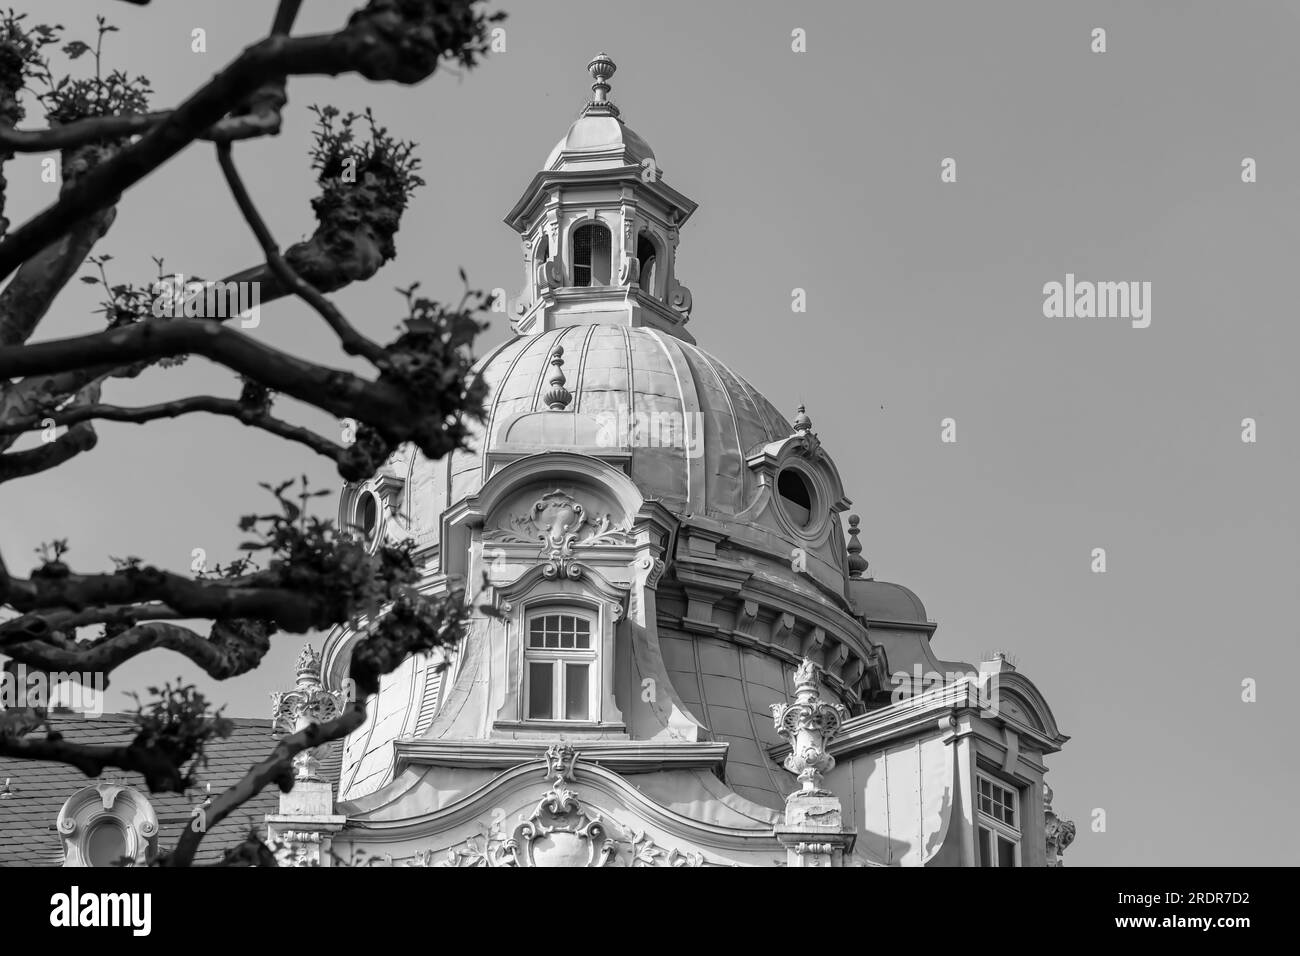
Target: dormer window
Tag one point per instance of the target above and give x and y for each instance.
(591, 255)
(645, 252)
(998, 823)
(560, 660)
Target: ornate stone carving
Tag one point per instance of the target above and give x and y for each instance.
(109, 805)
(550, 276)
(644, 852)
(561, 524)
(1060, 833)
(655, 567)
(809, 724)
(679, 297)
(629, 273)
(559, 832)
(308, 703)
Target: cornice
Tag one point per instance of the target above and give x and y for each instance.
(620, 756)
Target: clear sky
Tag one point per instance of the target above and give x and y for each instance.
(821, 170)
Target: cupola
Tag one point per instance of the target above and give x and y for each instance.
(600, 229)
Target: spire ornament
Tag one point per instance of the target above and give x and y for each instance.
(857, 563)
(308, 703)
(557, 397)
(802, 423)
(601, 69)
(809, 724)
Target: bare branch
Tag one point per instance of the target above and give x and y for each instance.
(332, 390)
(231, 649)
(277, 768)
(20, 464)
(354, 343)
(232, 408)
(255, 596)
(381, 42)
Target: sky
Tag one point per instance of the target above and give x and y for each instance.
(821, 170)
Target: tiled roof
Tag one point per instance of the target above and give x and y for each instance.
(37, 790)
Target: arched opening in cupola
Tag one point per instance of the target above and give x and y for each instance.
(591, 256)
(645, 253)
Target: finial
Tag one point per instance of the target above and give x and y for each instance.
(601, 69)
(802, 423)
(808, 724)
(857, 563)
(307, 667)
(558, 398)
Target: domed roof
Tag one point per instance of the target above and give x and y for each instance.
(599, 140)
(685, 420)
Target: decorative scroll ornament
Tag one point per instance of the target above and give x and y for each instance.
(561, 524)
(679, 297)
(1060, 833)
(559, 832)
(629, 273)
(808, 724)
(308, 703)
(550, 275)
(646, 853)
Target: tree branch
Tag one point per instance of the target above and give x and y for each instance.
(354, 343)
(383, 41)
(231, 408)
(277, 768)
(230, 649)
(255, 596)
(20, 464)
(332, 390)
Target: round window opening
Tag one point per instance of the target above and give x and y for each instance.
(369, 514)
(106, 844)
(796, 497)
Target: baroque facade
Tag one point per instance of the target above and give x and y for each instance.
(684, 661)
(679, 656)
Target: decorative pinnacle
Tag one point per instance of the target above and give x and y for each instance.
(857, 563)
(307, 668)
(809, 724)
(601, 69)
(802, 423)
(558, 397)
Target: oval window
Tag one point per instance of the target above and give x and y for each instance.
(369, 514)
(796, 496)
(106, 844)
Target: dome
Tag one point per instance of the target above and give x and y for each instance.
(685, 420)
(601, 141)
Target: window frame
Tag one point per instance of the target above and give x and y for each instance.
(993, 822)
(590, 265)
(559, 659)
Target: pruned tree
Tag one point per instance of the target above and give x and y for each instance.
(299, 573)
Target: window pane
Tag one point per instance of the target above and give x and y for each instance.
(584, 633)
(536, 630)
(539, 691)
(1006, 852)
(986, 854)
(591, 255)
(576, 701)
